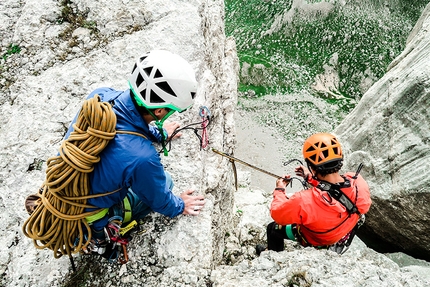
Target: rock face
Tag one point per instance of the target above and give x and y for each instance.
(69, 48)
(389, 133)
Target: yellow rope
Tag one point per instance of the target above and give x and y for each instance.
(60, 217)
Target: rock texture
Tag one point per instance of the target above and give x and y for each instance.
(298, 266)
(69, 48)
(388, 131)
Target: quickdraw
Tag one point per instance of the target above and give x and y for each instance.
(116, 239)
(205, 114)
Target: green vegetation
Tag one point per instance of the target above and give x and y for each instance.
(12, 49)
(359, 40)
(75, 18)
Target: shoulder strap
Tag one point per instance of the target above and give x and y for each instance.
(336, 193)
(131, 133)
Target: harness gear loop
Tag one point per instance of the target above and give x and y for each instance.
(127, 210)
(59, 217)
(97, 216)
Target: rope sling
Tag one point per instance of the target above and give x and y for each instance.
(59, 218)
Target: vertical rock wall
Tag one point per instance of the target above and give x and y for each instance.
(389, 133)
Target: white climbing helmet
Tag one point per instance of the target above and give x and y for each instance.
(161, 79)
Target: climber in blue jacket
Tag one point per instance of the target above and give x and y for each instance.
(161, 83)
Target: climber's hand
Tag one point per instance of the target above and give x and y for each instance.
(170, 127)
(193, 203)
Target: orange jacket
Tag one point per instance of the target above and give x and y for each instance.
(316, 213)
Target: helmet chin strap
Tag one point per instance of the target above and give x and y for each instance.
(314, 175)
(159, 124)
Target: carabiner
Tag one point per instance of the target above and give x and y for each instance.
(204, 111)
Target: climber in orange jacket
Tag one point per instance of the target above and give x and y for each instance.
(327, 214)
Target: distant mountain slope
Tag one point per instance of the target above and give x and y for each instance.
(286, 46)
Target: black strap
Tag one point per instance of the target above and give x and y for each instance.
(360, 166)
(336, 193)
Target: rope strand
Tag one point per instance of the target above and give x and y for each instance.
(60, 218)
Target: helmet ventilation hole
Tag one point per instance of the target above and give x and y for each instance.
(311, 148)
(325, 153)
(143, 94)
(154, 98)
(148, 70)
(158, 74)
(166, 88)
(134, 68)
(313, 157)
(139, 80)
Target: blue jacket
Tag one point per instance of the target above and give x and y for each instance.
(131, 161)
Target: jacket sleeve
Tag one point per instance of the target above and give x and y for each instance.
(149, 184)
(154, 130)
(286, 210)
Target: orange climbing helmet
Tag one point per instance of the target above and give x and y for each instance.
(322, 148)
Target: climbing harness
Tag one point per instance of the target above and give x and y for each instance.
(334, 190)
(56, 212)
(205, 115)
(116, 237)
(114, 245)
(234, 159)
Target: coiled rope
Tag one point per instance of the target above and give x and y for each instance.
(60, 219)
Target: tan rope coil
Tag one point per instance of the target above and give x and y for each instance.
(60, 219)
